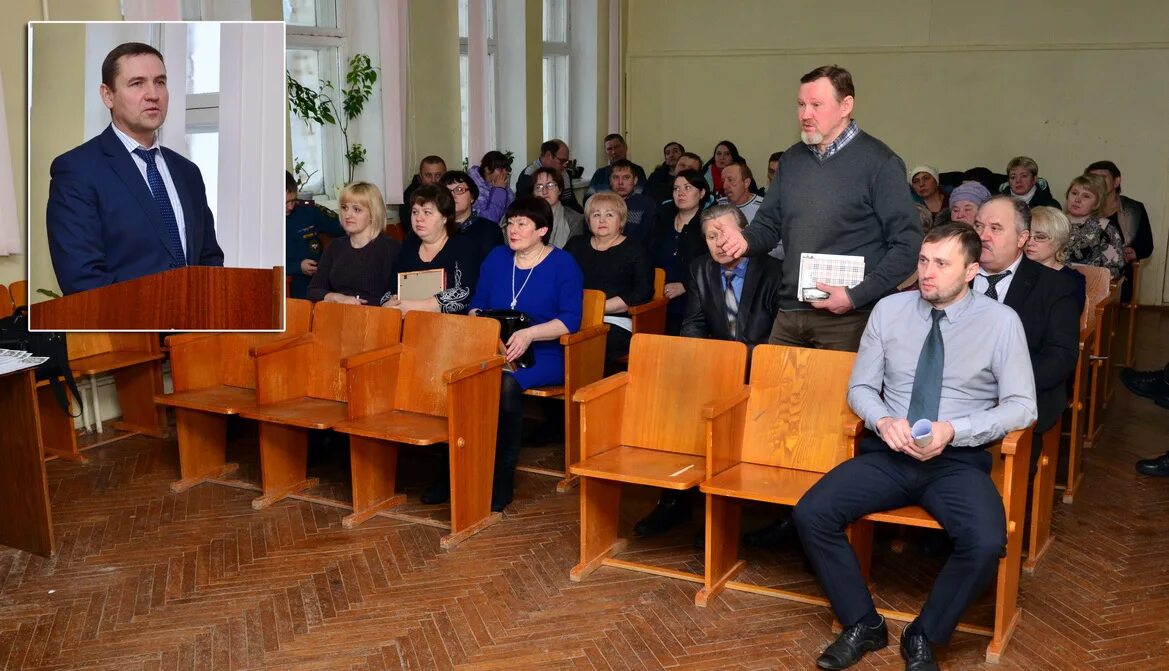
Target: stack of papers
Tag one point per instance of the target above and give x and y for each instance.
(833, 269)
(12, 360)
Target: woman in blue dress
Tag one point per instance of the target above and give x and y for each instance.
(533, 277)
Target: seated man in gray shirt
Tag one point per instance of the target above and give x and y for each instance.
(987, 390)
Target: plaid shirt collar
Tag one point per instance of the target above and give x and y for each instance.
(850, 131)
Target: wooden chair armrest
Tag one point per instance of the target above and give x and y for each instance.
(364, 358)
(180, 339)
(854, 427)
(601, 387)
(648, 307)
(282, 344)
(586, 333)
(1010, 443)
(723, 406)
(465, 371)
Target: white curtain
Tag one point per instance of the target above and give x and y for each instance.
(251, 144)
(152, 10)
(9, 225)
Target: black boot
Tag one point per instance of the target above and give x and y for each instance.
(772, 536)
(672, 508)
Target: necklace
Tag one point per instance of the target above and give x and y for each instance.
(515, 295)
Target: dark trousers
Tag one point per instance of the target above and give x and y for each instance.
(954, 487)
(616, 346)
(507, 438)
(819, 329)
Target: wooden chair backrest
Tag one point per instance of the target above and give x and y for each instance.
(236, 365)
(81, 345)
(593, 308)
(798, 408)
(659, 283)
(433, 343)
(340, 331)
(19, 292)
(671, 379)
(1096, 280)
(6, 306)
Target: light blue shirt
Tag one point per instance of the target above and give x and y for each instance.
(172, 194)
(737, 279)
(988, 388)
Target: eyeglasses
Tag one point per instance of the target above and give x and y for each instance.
(458, 190)
(544, 188)
(562, 159)
(1040, 237)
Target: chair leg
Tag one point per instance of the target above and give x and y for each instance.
(860, 537)
(600, 506)
(723, 519)
(57, 433)
(137, 386)
(373, 467)
(202, 448)
(571, 444)
(283, 463)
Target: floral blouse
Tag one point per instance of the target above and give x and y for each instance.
(1097, 242)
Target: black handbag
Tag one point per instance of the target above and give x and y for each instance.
(511, 321)
(14, 334)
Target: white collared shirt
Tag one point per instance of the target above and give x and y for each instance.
(172, 194)
(981, 283)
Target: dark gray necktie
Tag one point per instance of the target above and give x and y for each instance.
(732, 303)
(927, 381)
(992, 280)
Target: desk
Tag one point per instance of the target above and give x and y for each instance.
(26, 523)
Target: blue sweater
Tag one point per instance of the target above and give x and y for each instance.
(556, 291)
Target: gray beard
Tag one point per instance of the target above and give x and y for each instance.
(811, 137)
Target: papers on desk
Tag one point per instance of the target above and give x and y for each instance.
(833, 269)
(12, 360)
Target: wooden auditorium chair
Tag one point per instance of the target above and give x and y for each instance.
(302, 384)
(1103, 349)
(646, 427)
(753, 455)
(440, 386)
(584, 363)
(135, 360)
(1129, 316)
(6, 304)
(19, 292)
(214, 376)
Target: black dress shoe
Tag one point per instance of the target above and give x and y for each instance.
(917, 653)
(672, 509)
(1157, 466)
(772, 536)
(1149, 383)
(852, 644)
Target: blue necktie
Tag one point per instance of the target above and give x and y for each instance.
(927, 380)
(162, 200)
(732, 304)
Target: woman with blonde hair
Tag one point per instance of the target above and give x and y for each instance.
(356, 269)
(1095, 240)
(1048, 244)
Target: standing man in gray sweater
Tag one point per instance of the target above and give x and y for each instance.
(841, 192)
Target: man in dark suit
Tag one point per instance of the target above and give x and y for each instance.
(754, 286)
(1044, 299)
(121, 206)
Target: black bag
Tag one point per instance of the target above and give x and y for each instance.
(511, 321)
(14, 334)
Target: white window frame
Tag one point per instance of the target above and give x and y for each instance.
(491, 69)
(562, 96)
(335, 169)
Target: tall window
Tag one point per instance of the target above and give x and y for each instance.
(556, 69)
(465, 77)
(203, 105)
(314, 42)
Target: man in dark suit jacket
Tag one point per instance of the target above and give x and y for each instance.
(121, 206)
(1044, 299)
(755, 282)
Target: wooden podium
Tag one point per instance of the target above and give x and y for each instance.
(26, 523)
(195, 298)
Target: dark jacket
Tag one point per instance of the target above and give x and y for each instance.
(1045, 301)
(524, 184)
(660, 184)
(404, 208)
(758, 305)
(1042, 196)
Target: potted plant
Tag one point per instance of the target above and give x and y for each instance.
(320, 106)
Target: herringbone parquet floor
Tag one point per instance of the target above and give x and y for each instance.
(147, 579)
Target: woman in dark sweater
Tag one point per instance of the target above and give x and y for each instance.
(677, 240)
(436, 246)
(614, 265)
(356, 269)
(486, 234)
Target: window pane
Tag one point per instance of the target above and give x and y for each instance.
(555, 21)
(465, 102)
(308, 139)
(318, 13)
(556, 96)
(204, 148)
(202, 57)
(465, 21)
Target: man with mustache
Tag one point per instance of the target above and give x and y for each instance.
(121, 206)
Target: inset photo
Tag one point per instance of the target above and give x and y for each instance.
(156, 165)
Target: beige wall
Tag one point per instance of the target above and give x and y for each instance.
(433, 125)
(937, 81)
